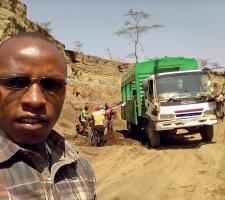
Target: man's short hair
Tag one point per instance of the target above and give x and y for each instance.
(35, 34)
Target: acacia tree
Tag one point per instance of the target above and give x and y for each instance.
(133, 29)
(78, 46)
(109, 53)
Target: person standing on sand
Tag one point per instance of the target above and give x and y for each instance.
(109, 118)
(99, 124)
(35, 161)
(84, 119)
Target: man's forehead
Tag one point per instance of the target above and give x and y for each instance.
(27, 49)
(28, 44)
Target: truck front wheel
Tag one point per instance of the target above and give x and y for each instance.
(207, 132)
(153, 136)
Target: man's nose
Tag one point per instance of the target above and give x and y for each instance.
(33, 97)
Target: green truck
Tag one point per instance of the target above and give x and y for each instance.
(166, 94)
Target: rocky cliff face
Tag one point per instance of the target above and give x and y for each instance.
(91, 80)
(95, 80)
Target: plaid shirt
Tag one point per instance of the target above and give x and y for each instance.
(24, 174)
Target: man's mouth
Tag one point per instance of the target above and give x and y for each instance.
(30, 121)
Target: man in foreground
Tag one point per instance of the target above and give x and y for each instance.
(35, 161)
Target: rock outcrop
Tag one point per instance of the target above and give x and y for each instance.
(95, 80)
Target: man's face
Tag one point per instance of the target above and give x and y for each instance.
(27, 115)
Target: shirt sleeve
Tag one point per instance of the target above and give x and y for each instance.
(85, 166)
(84, 115)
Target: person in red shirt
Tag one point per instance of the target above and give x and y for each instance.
(109, 117)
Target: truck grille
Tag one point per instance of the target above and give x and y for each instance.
(188, 113)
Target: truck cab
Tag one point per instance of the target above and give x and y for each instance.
(176, 100)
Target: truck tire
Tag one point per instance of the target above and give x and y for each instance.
(206, 133)
(153, 136)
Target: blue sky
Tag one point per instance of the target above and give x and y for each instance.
(193, 28)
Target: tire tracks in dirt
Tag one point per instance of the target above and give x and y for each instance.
(183, 168)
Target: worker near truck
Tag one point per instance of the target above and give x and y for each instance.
(84, 119)
(109, 118)
(99, 123)
(218, 95)
(35, 161)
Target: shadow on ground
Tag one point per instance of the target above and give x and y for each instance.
(123, 137)
(169, 140)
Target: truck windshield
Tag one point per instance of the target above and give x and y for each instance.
(182, 84)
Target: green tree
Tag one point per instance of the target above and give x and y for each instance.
(133, 29)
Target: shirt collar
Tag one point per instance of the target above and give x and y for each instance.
(61, 149)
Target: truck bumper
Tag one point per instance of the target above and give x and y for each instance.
(184, 123)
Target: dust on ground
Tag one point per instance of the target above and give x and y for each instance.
(183, 168)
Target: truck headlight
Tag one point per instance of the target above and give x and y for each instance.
(167, 116)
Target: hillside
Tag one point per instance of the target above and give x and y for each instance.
(184, 168)
(93, 81)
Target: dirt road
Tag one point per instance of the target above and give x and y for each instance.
(184, 168)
